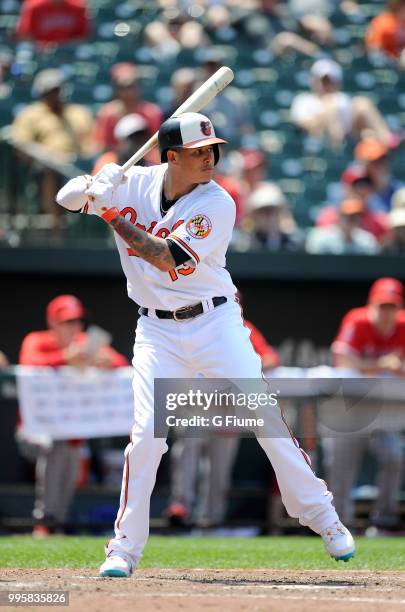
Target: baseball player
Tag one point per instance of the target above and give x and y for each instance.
(172, 225)
(64, 343)
(371, 340)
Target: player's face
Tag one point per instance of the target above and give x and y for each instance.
(67, 331)
(386, 314)
(197, 164)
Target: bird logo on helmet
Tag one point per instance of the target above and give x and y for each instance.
(206, 128)
(188, 131)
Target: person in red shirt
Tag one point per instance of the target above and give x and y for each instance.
(65, 343)
(371, 340)
(358, 184)
(53, 21)
(128, 100)
(386, 32)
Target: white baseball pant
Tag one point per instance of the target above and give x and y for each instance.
(217, 345)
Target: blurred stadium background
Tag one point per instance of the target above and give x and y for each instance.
(296, 299)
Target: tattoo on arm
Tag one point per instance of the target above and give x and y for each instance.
(151, 248)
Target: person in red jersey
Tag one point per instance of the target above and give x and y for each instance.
(359, 186)
(386, 32)
(64, 343)
(53, 21)
(371, 340)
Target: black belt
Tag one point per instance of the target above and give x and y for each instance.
(187, 312)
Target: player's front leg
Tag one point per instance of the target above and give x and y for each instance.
(142, 459)
(154, 357)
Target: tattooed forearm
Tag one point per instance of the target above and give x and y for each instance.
(151, 248)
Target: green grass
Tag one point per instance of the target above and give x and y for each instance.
(293, 553)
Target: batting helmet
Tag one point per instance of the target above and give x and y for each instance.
(188, 131)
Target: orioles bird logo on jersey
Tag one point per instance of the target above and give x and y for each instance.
(199, 226)
(206, 128)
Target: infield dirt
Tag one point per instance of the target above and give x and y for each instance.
(211, 590)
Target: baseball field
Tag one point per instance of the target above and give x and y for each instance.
(186, 573)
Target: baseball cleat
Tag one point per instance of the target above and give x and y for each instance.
(115, 567)
(338, 542)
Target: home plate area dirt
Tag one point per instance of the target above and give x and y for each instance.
(212, 590)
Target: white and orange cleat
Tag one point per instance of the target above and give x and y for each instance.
(116, 567)
(338, 542)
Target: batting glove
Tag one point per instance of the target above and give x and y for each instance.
(111, 173)
(101, 193)
(72, 195)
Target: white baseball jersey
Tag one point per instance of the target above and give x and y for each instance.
(200, 222)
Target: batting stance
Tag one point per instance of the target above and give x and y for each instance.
(172, 226)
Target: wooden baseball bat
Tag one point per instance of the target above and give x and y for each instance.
(200, 98)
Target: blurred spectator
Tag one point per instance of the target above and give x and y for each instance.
(220, 451)
(173, 31)
(65, 343)
(131, 132)
(358, 185)
(395, 244)
(229, 111)
(250, 174)
(374, 156)
(371, 340)
(240, 173)
(128, 100)
(53, 21)
(345, 237)
(265, 212)
(183, 82)
(253, 168)
(219, 18)
(4, 362)
(272, 25)
(313, 18)
(386, 32)
(63, 131)
(328, 112)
